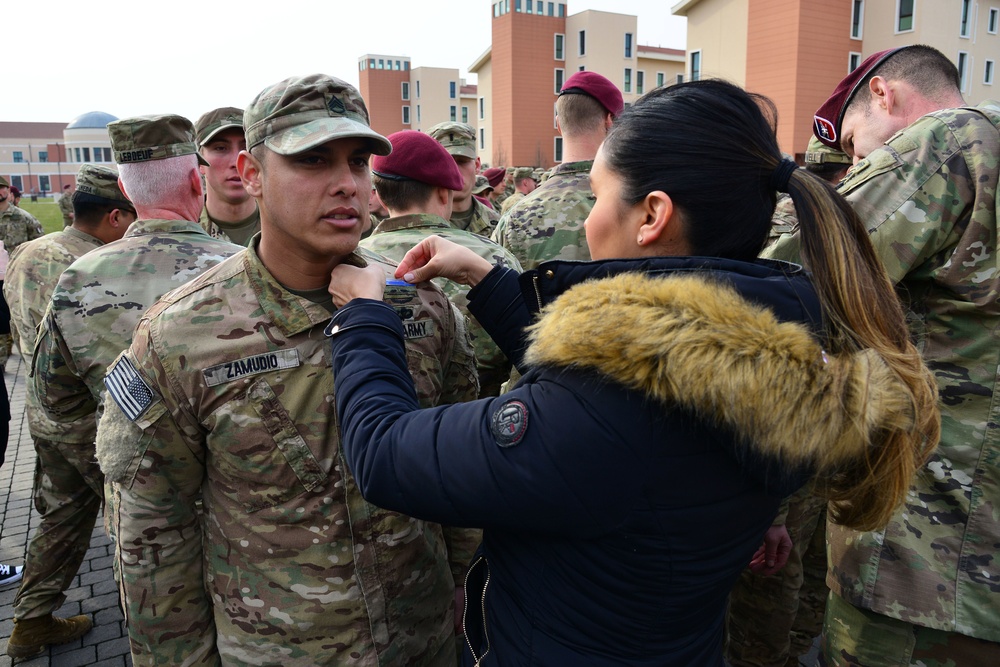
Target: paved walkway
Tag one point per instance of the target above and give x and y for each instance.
(93, 590)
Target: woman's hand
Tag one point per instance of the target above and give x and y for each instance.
(772, 555)
(350, 282)
(435, 257)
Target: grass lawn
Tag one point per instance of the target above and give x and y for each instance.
(47, 212)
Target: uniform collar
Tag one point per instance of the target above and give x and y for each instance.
(412, 221)
(158, 226)
(83, 236)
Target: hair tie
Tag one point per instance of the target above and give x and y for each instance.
(781, 174)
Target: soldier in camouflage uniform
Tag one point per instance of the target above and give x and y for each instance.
(17, 226)
(924, 590)
(225, 396)
(468, 213)
(66, 205)
(524, 183)
(549, 222)
(230, 213)
(69, 486)
(416, 182)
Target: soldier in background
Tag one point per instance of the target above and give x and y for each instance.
(549, 222)
(495, 176)
(923, 591)
(377, 212)
(468, 213)
(524, 184)
(230, 213)
(15, 196)
(17, 226)
(69, 486)
(225, 396)
(417, 182)
(66, 205)
(482, 190)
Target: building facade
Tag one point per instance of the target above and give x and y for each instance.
(796, 51)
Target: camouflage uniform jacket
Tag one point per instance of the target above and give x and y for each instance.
(395, 236)
(929, 198)
(289, 565)
(32, 274)
(510, 202)
(483, 220)
(100, 298)
(66, 207)
(17, 226)
(548, 224)
(218, 232)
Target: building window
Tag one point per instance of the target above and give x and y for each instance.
(904, 15)
(696, 65)
(506, 6)
(482, 137)
(517, 5)
(988, 75)
(560, 50)
(539, 7)
(16, 182)
(361, 65)
(482, 108)
(452, 113)
(406, 65)
(451, 89)
(406, 115)
(640, 82)
(994, 19)
(371, 64)
(857, 18)
(86, 155)
(528, 8)
(381, 63)
(77, 155)
(562, 10)
(628, 45)
(659, 79)
(853, 60)
(679, 79)
(107, 155)
(418, 113)
(560, 77)
(496, 10)
(98, 154)
(18, 156)
(583, 42)
(43, 183)
(557, 152)
(465, 115)
(418, 90)
(43, 156)
(406, 90)
(963, 30)
(552, 9)
(963, 70)
(581, 68)
(628, 80)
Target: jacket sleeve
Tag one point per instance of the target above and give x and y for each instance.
(60, 388)
(155, 463)
(528, 460)
(497, 304)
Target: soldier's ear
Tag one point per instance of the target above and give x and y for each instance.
(251, 171)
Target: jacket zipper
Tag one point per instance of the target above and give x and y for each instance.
(486, 634)
(538, 291)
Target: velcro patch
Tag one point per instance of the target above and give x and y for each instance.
(129, 390)
(418, 329)
(509, 423)
(255, 365)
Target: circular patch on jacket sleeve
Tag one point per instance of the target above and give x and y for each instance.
(509, 423)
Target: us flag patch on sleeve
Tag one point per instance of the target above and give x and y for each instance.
(129, 389)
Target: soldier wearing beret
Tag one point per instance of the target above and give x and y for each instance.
(100, 296)
(230, 212)
(417, 182)
(225, 397)
(524, 184)
(468, 213)
(66, 204)
(923, 590)
(549, 222)
(69, 486)
(17, 226)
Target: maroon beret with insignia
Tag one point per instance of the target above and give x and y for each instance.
(494, 175)
(827, 121)
(417, 157)
(598, 87)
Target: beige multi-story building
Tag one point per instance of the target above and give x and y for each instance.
(39, 158)
(796, 51)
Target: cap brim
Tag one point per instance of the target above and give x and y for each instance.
(230, 126)
(462, 151)
(316, 132)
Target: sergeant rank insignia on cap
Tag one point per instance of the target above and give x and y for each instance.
(129, 389)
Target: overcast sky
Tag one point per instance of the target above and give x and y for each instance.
(129, 57)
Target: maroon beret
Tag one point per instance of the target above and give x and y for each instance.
(827, 121)
(598, 87)
(417, 157)
(494, 175)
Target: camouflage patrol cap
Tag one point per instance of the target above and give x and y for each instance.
(819, 153)
(457, 138)
(300, 113)
(511, 170)
(482, 185)
(537, 174)
(146, 138)
(4, 183)
(524, 172)
(101, 182)
(217, 120)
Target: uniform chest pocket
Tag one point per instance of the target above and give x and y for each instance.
(269, 465)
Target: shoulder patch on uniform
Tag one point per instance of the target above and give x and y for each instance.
(231, 371)
(509, 423)
(129, 390)
(418, 328)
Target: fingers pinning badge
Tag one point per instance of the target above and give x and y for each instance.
(509, 423)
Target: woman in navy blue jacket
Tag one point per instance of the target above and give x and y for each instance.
(674, 391)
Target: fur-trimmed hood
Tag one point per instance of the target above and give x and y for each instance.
(691, 340)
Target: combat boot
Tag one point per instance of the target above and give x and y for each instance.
(33, 635)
